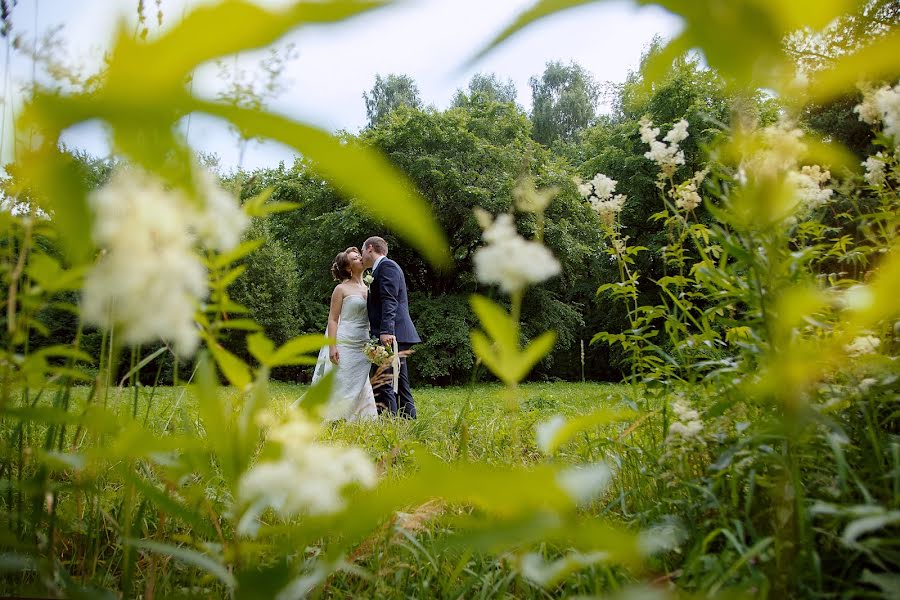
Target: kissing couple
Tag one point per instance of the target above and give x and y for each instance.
(359, 313)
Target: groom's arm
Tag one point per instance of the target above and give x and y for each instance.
(390, 290)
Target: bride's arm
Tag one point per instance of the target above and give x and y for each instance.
(334, 315)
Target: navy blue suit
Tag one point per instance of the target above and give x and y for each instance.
(388, 308)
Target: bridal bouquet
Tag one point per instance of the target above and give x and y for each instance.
(377, 353)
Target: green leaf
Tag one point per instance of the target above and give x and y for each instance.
(230, 277)
(496, 322)
(318, 395)
(355, 170)
(535, 351)
(50, 276)
(235, 370)
(186, 555)
(541, 10)
(242, 324)
(240, 251)
(553, 434)
(261, 348)
(291, 352)
(875, 61)
(484, 350)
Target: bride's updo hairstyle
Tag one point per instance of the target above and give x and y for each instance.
(340, 268)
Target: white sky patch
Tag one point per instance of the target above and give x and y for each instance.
(430, 40)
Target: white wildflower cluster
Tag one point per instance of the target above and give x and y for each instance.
(585, 483)
(599, 192)
(776, 156)
(875, 169)
(666, 153)
(863, 344)
(686, 194)
(310, 477)
(882, 105)
(809, 185)
(508, 259)
(149, 278)
(687, 425)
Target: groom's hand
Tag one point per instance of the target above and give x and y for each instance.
(387, 339)
(333, 354)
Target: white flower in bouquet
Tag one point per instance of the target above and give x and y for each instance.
(368, 278)
(377, 353)
(510, 260)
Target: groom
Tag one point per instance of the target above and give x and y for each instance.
(388, 308)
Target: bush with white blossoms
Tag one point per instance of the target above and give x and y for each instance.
(688, 424)
(508, 259)
(666, 153)
(149, 279)
(309, 477)
(863, 344)
(882, 106)
(599, 192)
(809, 185)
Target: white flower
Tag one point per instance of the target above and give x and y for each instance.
(777, 149)
(546, 431)
(221, 222)
(647, 131)
(609, 209)
(688, 424)
(310, 477)
(808, 184)
(678, 133)
(533, 566)
(149, 280)
(603, 186)
(666, 156)
(882, 106)
(864, 344)
(511, 261)
(875, 169)
(584, 484)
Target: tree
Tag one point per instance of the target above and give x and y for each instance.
(388, 94)
(564, 101)
(486, 87)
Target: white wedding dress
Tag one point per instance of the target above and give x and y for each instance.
(351, 397)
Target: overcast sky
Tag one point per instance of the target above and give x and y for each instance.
(429, 40)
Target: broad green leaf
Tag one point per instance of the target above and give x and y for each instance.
(355, 170)
(292, 351)
(53, 181)
(555, 432)
(318, 395)
(878, 60)
(240, 251)
(50, 276)
(186, 555)
(535, 351)
(234, 369)
(496, 322)
(241, 324)
(209, 32)
(484, 350)
(261, 348)
(230, 277)
(540, 10)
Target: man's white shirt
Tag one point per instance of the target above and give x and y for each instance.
(377, 261)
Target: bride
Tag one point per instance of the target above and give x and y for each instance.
(348, 323)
